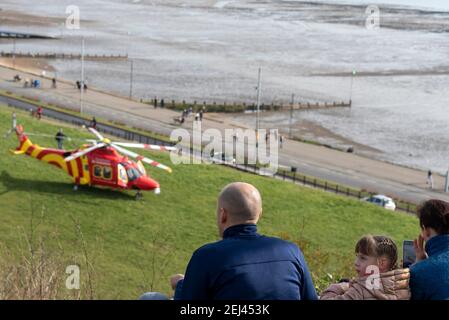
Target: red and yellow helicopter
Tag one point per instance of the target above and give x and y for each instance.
(99, 163)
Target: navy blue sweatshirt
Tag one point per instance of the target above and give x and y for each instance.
(247, 266)
(429, 278)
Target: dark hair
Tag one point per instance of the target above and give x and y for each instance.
(434, 214)
(378, 246)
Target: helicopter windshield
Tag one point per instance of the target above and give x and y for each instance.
(133, 174)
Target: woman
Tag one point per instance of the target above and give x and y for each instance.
(430, 274)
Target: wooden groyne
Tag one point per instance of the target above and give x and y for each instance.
(236, 107)
(76, 56)
(325, 105)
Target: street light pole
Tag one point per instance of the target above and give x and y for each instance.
(14, 54)
(82, 76)
(258, 108)
(352, 81)
(131, 80)
(291, 117)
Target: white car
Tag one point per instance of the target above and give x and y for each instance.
(382, 201)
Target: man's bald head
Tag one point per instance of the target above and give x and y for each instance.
(242, 202)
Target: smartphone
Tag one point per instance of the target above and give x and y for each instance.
(408, 252)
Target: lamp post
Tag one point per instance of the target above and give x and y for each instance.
(131, 72)
(258, 109)
(14, 53)
(446, 183)
(291, 117)
(82, 76)
(352, 81)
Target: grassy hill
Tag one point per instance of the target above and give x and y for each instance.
(126, 247)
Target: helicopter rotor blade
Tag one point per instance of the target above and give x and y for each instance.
(96, 133)
(145, 146)
(141, 158)
(83, 152)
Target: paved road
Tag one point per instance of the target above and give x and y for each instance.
(324, 163)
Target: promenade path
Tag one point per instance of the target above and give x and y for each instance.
(317, 161)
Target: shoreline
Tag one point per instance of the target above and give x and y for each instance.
(34, 66)
(353, 170)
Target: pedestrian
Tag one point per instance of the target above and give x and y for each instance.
(93, 123)
(267, 137)
(155, 103)
(201, 115)
(197, 116)
(162, 103)
(60, 138)
(281, 141)
(39, 112)
(53, 83)
(430, 179)
(429, 275)
(78, 84)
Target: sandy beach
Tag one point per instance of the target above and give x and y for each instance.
(17, 18)
(29, 65)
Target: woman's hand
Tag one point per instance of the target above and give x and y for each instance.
(418, 244)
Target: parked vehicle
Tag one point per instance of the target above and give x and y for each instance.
(382, 201)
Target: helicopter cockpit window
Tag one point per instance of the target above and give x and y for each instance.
(122, 173)
(133, 174)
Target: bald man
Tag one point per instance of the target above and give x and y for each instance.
(244, 265)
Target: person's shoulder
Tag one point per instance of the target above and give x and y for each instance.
(208, 248)
(280, 241)
(284, 244)
(422, 270)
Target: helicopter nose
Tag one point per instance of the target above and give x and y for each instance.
(145, 183)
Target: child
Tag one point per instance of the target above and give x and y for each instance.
(378, 278)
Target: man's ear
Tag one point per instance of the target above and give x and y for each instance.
(223, 215)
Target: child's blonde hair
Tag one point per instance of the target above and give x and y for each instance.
(378, 246)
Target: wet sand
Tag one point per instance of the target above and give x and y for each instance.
(29, 65)
(303, 130)
(15, 18)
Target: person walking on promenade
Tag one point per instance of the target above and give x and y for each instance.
(430, 179)
(93, 123)
(39, 112)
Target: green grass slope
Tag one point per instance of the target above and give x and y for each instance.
(126, 247)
